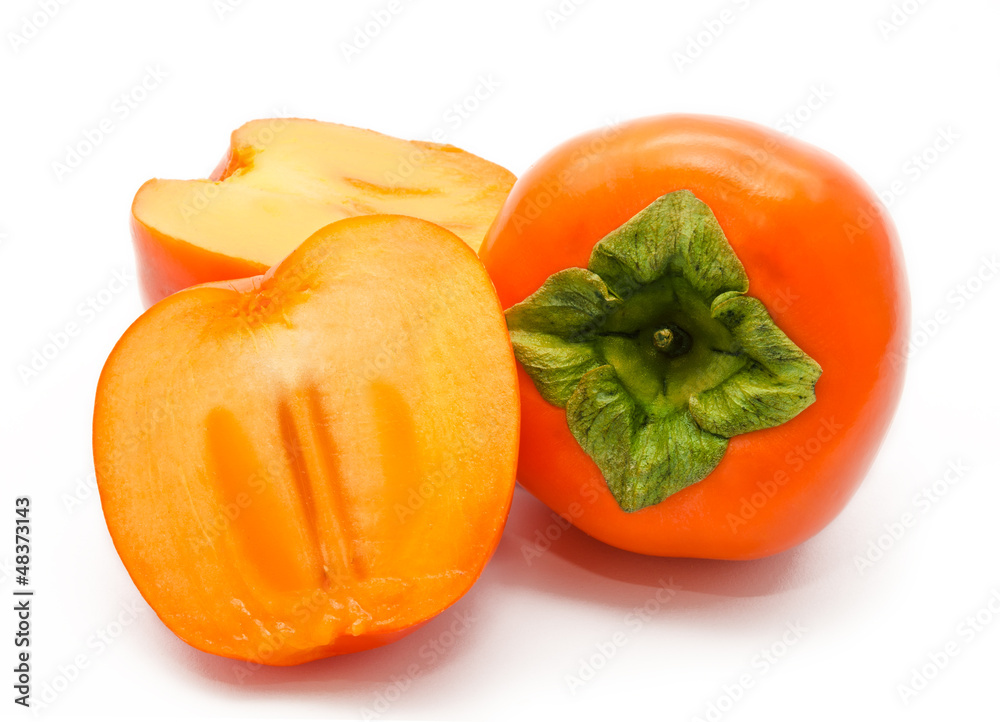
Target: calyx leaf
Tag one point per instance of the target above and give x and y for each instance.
(592, 342)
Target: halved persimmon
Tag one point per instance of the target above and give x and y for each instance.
(285, 178)
(316, 460)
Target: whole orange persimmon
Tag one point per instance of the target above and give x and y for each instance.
(709, 319)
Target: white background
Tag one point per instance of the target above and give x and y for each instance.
(884, 85)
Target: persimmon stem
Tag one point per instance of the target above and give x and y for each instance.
(672, 341)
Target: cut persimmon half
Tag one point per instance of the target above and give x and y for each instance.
(285, 178)
(316, 460)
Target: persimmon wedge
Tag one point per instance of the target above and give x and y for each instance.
(282, 180)
(316, 460)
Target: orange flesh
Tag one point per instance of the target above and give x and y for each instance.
(317, 460)
(283, 179)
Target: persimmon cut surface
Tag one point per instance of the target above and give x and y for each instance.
(282, 180)
(316, 460)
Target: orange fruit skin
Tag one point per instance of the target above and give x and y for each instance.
(385, 175)
(167, 264)
(822, 255)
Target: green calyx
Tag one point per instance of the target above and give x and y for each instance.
(657, 354)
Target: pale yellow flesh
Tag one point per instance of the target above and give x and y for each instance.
(300, 175)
